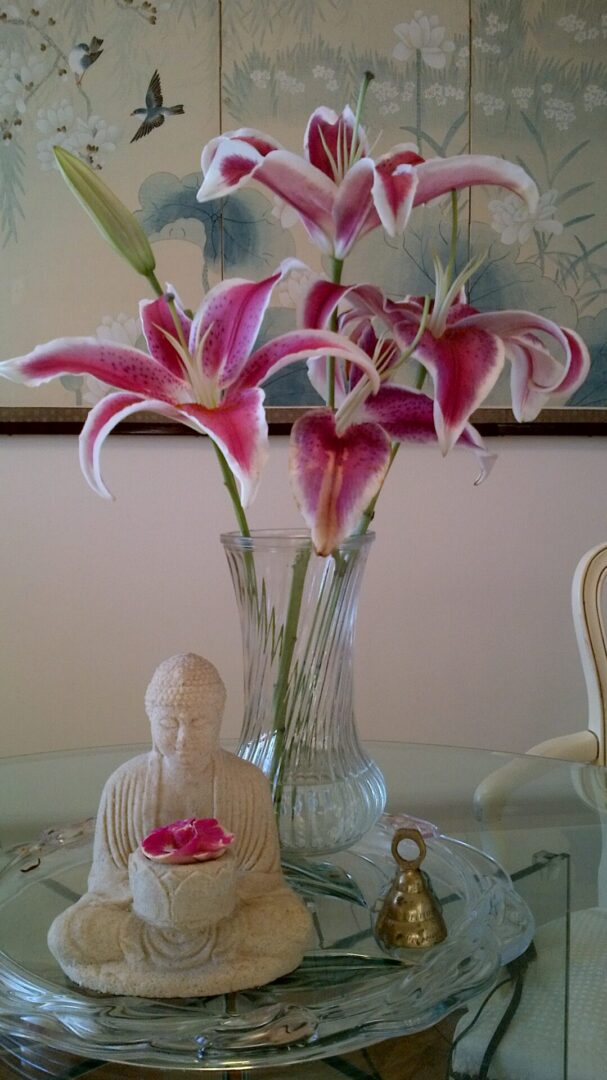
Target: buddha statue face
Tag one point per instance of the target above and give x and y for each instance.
(185, 702)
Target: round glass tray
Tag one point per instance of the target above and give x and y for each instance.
(347, 993)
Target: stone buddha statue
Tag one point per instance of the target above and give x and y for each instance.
(246, 926)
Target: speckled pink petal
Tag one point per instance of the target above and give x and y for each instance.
(536, 374)
(298, 345)
(118, 365)
(156, 317)
(102, 419)
(335, 477)
(240, 429)
(465, 363)
(228, 322)
(408, 416)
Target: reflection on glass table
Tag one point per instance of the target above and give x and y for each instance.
(334, 1016)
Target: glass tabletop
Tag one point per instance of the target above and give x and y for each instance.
(544, 827)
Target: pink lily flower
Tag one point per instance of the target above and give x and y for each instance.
(338, 190)
(464, 350)
(206, 376)
(338, 462)
(187, 841)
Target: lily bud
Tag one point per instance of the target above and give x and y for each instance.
(119, 226)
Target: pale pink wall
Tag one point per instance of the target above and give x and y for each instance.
(465, 633)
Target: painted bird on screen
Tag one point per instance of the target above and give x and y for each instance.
(82, 56)
(154, 112)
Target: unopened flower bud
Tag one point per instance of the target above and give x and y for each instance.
(119, 226)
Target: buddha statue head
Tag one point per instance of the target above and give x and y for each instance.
(184, 702)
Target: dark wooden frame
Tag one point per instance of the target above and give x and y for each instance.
(68, 421)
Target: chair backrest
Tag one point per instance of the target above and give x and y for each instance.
(588, 585)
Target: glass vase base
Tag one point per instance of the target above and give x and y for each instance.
(348, 993)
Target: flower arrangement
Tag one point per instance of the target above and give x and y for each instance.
(206, 370)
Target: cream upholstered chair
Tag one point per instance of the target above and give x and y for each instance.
(530, 1046)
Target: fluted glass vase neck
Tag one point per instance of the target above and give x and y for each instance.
(298, 615)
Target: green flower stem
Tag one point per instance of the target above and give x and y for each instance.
(154, 282)
(453, 240)
(230, 483)
(418, 98)
(337, 266)
(281, 689)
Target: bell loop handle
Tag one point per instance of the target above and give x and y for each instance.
(417, 838)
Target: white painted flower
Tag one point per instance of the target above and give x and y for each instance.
(56, 119)
(594, 97)
(562, 112)
(571, 24)
(522, 95)
(288, 84)
(291, 290)
(511, 218)
(56, 123)
(423, 35)
(332, 84)
(384, 91)
(92, 138)
(260, 78)
(494, 26)
(408, 91)
(322, 72)
(489, 104)
(285, 214)
(119, 329)
(547, 88)
(19, 77)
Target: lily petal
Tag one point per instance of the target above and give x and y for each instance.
(227, 165)
(239, 427)
(394, 187)
(306, 189)
(101, 420)
(328, 140)
(118, 365)
(354, 213)
(228, 322)
(335, 477)
(155, 318)
(298, 183)
(536, 375)
(408, 416)
(299, 345)
(258, 139)
(464, 363)
(440, 175)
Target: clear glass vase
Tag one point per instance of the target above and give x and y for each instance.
(298, 617)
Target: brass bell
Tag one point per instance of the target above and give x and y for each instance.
(410, 916)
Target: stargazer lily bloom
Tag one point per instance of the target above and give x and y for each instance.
(464, 350)
(338, 190)
(338, 462)
(201, 372)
